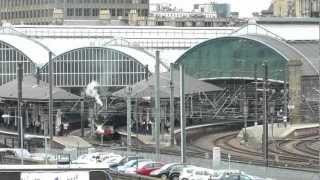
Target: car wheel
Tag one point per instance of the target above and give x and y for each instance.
(163, 177)
(175, 177)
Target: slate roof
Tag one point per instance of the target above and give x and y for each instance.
(31, 91)
(145, 88)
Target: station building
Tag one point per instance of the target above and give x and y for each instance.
(227, 57)
(112, 66)
(237, 63)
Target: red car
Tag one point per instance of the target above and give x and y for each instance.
(147, 168)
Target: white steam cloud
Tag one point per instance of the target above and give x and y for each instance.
(93, 92)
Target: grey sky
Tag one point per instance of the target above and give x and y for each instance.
(245, 7)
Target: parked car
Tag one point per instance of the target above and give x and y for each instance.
(198, 173)
(238, 175)
(147, 168)
(133, 169)
(176, 170)
(86, 159)
(130, 164)
(95, 158)
(164, 171)
(124, 160)
(111, 161)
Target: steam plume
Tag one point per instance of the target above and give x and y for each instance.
(92, 92)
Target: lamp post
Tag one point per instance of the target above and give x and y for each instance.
(21, 132)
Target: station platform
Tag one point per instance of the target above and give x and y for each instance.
(59, 141)
(71, 142)
(279, 132)
(149, 139)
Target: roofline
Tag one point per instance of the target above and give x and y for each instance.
(138, 48)
(239, 78)
(259, 26)
(288, 20)
(37, 100)
(231, 36)
(20, 52)
(247, 37)
(20, 34)
(309, 61)
(121, 27)
(108, 48)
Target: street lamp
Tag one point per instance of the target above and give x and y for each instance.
(21, 132)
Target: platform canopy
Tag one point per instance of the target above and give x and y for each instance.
(31, 91)
(145, 88)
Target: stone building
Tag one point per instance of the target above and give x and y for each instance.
(62, 11)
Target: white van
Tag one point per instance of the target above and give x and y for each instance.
(197, 173)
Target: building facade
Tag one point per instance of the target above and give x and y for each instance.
(282, 8)
(59, 11)
(296, 8)
(309, 8)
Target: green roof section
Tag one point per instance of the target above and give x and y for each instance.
(234, 57)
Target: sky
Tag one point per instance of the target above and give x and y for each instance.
(244, 7)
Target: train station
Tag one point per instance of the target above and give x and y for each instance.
(256, 86)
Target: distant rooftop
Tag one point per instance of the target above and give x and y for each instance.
(288, 20)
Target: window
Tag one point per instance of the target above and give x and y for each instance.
(78, 12)
(70, 12)
(113, 12)
(243, 177)
(95, 12)
(119, 12)
(86, 12)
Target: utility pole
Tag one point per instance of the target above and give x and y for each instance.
(245, 116)
(146, 72)
(285, 92)
(265, 123)
(20, 124)
(256, 94)
(129, 91)
(182, 117)
(157, 105)
(319, 87)
(82, 113)
(50, 97)
(171, 104)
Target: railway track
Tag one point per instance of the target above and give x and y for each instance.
(306, 146)
(285, 157)
(279, 155)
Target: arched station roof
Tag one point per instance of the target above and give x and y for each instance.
(39, 53)
(234, 57)
(36, 52)
(140, 56)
